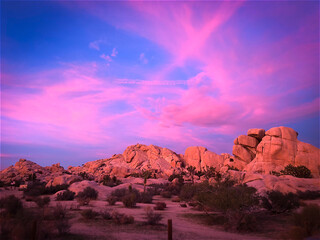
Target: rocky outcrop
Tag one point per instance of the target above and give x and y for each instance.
(201, 158)
(285, 184)
(280, 148)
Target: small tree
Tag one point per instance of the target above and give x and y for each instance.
(146, 174)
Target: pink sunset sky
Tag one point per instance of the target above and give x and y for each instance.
(83, 80)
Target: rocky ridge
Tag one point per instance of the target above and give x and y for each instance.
(255, 156)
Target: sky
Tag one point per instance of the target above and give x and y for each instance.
(83, 80)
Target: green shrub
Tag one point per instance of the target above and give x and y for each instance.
(308, 219)
(89, 214)
(299, 171)
(152, 217)
(278, 202)
(160, 206)
(67, 195)
(11, 204)
(88, 193)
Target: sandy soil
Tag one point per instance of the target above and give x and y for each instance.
(184, 229)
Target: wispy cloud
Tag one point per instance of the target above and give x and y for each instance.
(96, 44)
(114, 52)
(143, 58)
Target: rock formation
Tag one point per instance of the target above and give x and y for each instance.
(256, 155)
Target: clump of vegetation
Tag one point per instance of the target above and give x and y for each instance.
(106, 214)
(110, 181)
(241, 221)
(160, 206)
(299, 171)
(42, 201)
(61, 222)
(166, 194)
(309, 195)
(111, 200)
(66, 195)
(232, 168)
(120, 218)
(278, 202)
(85, 176)
(145, 197)
(37, 188)
(11, 205)
(89, 214)
(307, 222)
(152, 217)
(130, 200)
(89, 192)
(178, 176)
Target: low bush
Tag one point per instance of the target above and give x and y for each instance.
(309, 195)
(160, 206)
(241, 221)
(120, 218)
(119, 193)
(278, 202)
(66, 195)
(299, 171)
(106, 214)
(187, 192)
(308, 220)
(89, 214)
(11, 204)
(61, 222)
(111, 200)
(54, 189)
(227, 198)
(89, 193)
(42, 201)
(145, 197)
(152, 217)
(166, 194)
(110, 181)
(129, 200)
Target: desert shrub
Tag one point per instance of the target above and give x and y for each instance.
(175, 175)
(209, 172)
(184, 205)
(241, 221)
(176, 199)
(89, 214)
(42, 201)
(278, 202)
(106, 214)
(160, 206)
(1, 183)
(227, 198)
(232, 168)
(145, 197)
(152, 217)
(299, 171)
(119, 193)
(89, 193)
(187, 192)
(308, 219)
(110, 181)
(156, 189)
(83, 201)
(120, 218)
(85, 176)
(275, 173)
(61, 222)
(129, 200)
(34, 189)
(309, 195)
(11, 204)
(54, 189)
(166, 194)
(111, 200)
(66, 195)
